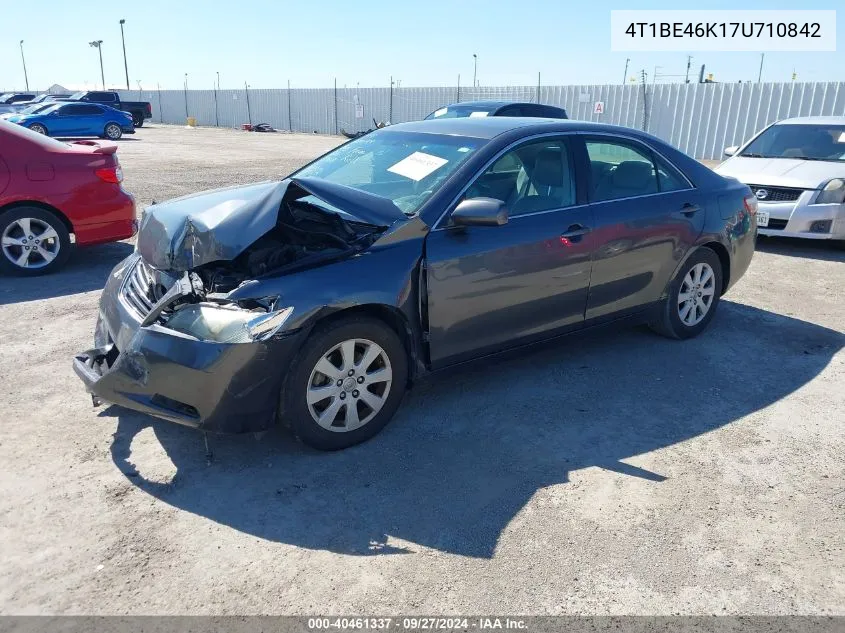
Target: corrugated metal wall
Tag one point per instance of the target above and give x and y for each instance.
(700, 119)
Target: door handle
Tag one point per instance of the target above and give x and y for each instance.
(689, 209)
(576, 230)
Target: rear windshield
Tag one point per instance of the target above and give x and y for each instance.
(460, 111)
(33, 137)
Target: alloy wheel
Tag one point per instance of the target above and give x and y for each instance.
(349, 385)
(30, 243)
(696, 294)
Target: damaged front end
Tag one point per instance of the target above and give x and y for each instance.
(170, 340)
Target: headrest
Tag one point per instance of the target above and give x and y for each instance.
(548, 168)
(632, 173)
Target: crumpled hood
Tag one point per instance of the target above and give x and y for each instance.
(193, 230)
(781, 172)
(219, 225)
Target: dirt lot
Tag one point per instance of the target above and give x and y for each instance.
(620, 474)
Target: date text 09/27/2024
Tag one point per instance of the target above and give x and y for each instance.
(418, 623)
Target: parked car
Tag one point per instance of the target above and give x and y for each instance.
(50, 190)
(139, 110)
(497, 108)
(64, 119)
(317, 300)
(796, 168)
(44, 98)
(14, 97)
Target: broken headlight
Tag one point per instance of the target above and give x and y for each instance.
(227, 324)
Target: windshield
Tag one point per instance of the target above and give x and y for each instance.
(406, 168)
(38, 107)
(801, 141)
(459, 111)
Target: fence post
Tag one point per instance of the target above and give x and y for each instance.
(458, 95)
(160, 105)
(290, 116)
(248, 110)
(216, 114)
(645, 101)
(390, 107)
(335, 106)
(538, 87)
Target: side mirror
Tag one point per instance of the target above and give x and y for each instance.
(480, 212)
(730, 151)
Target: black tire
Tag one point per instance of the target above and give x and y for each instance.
(137, 119)
(60, 244)
(113, 131)
(669, 323)
(39, 128)
(294, 410)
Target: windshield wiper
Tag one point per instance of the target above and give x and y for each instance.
(752, 155)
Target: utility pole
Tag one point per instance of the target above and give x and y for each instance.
(123, 41)
(625, 74)
(98, 44)
(760, 74)
(218, 80)
(689, 63)
(538, 87)
(474, 69)
(701, 75)
(23, 60)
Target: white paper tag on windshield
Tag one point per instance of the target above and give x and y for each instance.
(440, 112)
(475, 114)
(418, 165)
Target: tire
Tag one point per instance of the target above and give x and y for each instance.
(325, 347)
(113, 131)
(13, 230)
(40, 129)
(677, 319)
(138, 120)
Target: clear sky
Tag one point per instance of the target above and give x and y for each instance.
(362, 42)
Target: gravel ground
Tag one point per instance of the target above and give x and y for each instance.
(614, 474)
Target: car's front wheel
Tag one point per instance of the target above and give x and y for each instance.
(346, 383)
(693, 296)
(37, 127)
(33, 241)
(113, 131)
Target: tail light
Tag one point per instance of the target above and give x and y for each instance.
(750, 203)
(113, 175)
(149, 109)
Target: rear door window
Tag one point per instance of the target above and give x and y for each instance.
(620, 170)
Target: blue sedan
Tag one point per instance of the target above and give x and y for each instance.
(77, 119)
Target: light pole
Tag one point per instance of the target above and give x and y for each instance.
(218, 80)
(123, 41)
(760, 74)
(689, 63)
(625, 74)
(25, 77)
(98, 44)
(474, 68)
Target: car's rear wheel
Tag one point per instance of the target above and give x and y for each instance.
(346, 383)
(693, 297)
(113, 131)
(33, 241)
(137, 119)
(37, 127)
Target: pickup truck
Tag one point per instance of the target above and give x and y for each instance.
(139, 110)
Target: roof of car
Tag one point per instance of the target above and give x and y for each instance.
(814, 120)
(490, 127)
(494, 104)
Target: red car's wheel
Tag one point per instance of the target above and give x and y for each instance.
(33, 241)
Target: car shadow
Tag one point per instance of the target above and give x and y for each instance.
(86, 270)
(822, 250)
(467, 451)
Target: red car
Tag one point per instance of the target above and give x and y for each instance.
(50, 189)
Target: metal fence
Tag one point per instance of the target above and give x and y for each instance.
(699, 118)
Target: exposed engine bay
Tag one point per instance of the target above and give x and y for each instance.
(306, 234)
